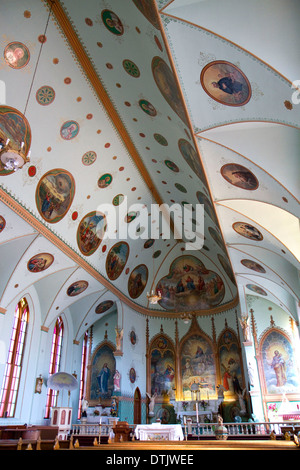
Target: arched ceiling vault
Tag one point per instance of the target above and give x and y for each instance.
(126, 108)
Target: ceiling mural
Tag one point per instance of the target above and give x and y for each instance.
(122, 105)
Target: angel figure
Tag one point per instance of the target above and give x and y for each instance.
(151, 403)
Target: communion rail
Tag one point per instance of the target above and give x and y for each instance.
(205, 430)
(243, 430)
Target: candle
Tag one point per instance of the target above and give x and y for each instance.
(184, 419)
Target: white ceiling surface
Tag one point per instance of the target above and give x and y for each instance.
(262, 135)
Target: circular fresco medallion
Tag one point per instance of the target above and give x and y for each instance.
(248, 263)
(104, 180)
(112, 22)
(45, 95)
(77, 288)
(16, 55)
(131, 68)
(191, 157)
(256, 289)
(118, 199)
(90, 232)
(40, 262)
(116, 260)
(172, 166)
(166, 83)
(137, 281)
(225, 83)
(149, 243)
(247, 231)
(54, 195)
(160, 139)
(133, 337)
(180, 188)
(69, 130)
(15, 127)
(2, 223)
(239, 176)
(130, 217)
(132, 375)
(147, 107)
(89, 158)
(104, 306)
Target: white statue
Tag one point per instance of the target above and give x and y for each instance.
(151, 403)
(245, 327)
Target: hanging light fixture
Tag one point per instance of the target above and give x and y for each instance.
(13, 156)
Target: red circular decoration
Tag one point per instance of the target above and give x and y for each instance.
(74, 215)
(32, 171)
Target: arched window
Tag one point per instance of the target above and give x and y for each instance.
(13, 369)
(57, 340)
(83, 372)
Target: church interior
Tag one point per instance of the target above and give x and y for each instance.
(149, 223)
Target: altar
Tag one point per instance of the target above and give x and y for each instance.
(159, 432)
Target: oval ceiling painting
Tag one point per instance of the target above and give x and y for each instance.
(40, 262)
(225, 83)
(77, 288)
(239, 176)
(90, 232)
(2, 223)
(116, 260)
(167, 85)
(112, 22)
(104, 306)
(248, 263)
(148, 10)
(190, 286)
(15, 127)
(191, 157)
(54, 195)
(247, 231)
(256, 289)
(16, 55)
(137, 281)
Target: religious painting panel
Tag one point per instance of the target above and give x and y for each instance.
(162, 367)
(230, 364)
(198, 366)
(103, 368)
(278, 363)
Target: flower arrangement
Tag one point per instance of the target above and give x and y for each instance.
(204, 404)
(273, 407)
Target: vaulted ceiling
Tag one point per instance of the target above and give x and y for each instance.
(123, 103)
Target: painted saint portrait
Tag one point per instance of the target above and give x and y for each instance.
(256, 289)
(147, 107)
(77, 288)
(112, 22)
(137, 281)
(104, 180)
(190, 286)
(54, 195)
(69, 130)
(118, 199)
(2, 223)
(197, 365)
(15, 127)
(230, 363)
(132, 375)
(148, 10)
(247, 231)
(40, 262)
(239, 176)
(166, 83)
(104, 306)
(16, 55)
(116, 260)
(90, 232)
(225, 83)
(248, 263)
(133, 337)
(279, 364)
(191, 157)
(162, 371)
(172, 166)
(103, 369)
